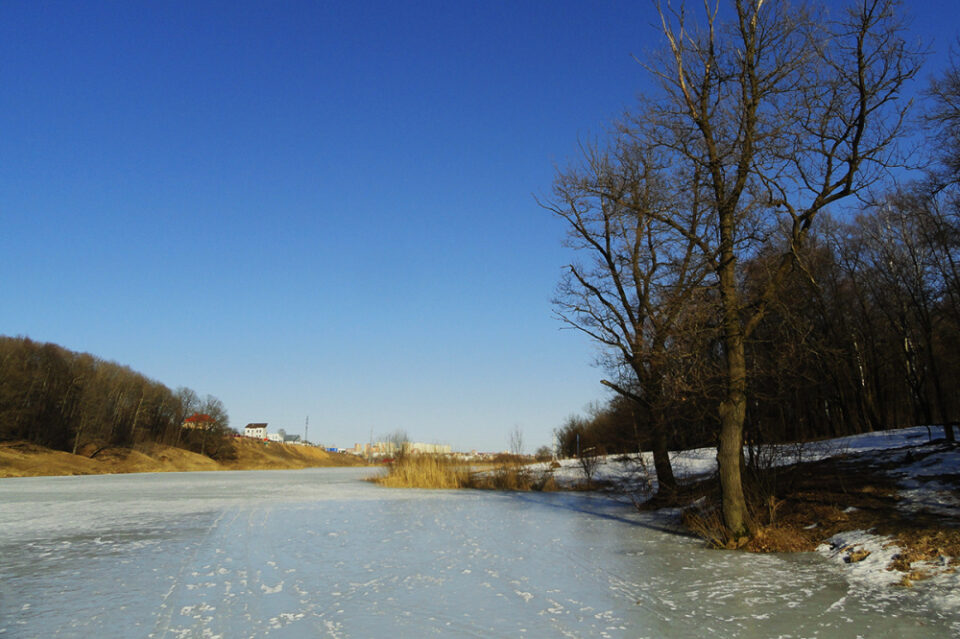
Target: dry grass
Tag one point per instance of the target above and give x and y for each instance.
(514, 477)
(797, 508)
(424, 471)
(925, 544)
(23, 459)
(811, 502)
(256, 455)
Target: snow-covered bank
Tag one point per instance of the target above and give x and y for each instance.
(926, 475)
(627, 470)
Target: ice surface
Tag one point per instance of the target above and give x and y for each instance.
(318, 553)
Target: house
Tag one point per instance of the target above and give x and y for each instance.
(257, 431)
(198, 421)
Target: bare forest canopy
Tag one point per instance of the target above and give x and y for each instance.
(746, 252)
(76, 402)
(865, 336)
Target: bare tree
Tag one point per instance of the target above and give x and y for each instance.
(544, 453)
(943, 116)
(906, 265)
(187, 403)
(216, 436)
(589, 459)
(516, 441)
(398, 443)
(784, 116)
(636, 280)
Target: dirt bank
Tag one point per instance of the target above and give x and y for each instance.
(23, 459)
(254, 455)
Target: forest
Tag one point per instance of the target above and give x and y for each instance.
(76, 402)
(865, 337)
(766, 249)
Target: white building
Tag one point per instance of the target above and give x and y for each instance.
(429, 449)
(257, 431)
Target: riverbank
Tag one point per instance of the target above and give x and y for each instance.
(884, 505)
(23, 459)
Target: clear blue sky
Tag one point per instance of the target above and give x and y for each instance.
(315, 208)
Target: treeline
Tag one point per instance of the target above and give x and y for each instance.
(77, 402)
(743, 254)
(863, 336)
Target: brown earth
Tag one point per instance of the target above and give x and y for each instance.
(23, 459)
(797, 508)
(256, 455)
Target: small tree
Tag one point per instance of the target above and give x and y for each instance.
(543, 454)
(516, 441)
(635, 281)
(398, 444)
(589, 459)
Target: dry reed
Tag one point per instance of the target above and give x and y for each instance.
(424, 471)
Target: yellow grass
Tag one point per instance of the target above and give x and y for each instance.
(257, 455)
(23, 459)
(424, 471)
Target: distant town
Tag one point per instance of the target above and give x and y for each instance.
(370, 450)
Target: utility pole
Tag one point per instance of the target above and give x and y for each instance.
(306, 431)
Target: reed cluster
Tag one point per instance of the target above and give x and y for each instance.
(424, 471)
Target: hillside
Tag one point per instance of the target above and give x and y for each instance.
(24, 459)
(256, 455)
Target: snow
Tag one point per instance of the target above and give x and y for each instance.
(843, 548)
(629, 470)
(872, 574)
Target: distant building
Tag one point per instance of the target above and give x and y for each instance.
(198, 421)
(275, 437)
(256, 431)
(428, 449)
(381, 449)
(291, 439)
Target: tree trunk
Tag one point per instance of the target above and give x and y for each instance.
(666, 482)
(76, 439)
(136, 419)
(935, 376)
(733, 408)
(736, 517)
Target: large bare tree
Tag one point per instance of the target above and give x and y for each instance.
(786, 111)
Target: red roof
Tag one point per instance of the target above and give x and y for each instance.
(199, 417)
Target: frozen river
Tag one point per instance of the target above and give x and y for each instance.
(319, 553)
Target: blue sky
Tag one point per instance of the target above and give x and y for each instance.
(315, 208)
